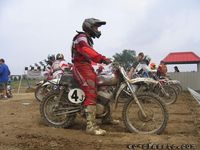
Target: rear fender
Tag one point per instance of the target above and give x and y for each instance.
(53, 81)
(39, 83)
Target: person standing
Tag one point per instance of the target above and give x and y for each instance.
(176, 69)
(4, 76)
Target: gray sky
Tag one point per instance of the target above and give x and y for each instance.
(32, 29)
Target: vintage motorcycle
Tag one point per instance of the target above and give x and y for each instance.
(166, 89)
(175, 84)
(142, 112)
(43, 87)
(48, 84)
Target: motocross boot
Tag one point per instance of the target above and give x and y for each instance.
(92, 127)
(107, 119)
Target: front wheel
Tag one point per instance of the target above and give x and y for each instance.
(42, 91)
(39, 92)
(156, 117)
(171, 96)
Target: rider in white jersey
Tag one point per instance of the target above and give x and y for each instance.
(59, 66)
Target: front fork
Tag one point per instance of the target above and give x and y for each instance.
(136, 99)
(163, 90)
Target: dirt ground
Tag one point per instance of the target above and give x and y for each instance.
(21, 128)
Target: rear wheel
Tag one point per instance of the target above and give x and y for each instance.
(49, 112)
(156, 117)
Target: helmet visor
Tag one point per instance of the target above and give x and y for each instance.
(99, 23)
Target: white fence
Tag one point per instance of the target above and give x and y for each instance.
(187, 79)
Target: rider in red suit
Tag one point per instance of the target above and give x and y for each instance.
(82, 55)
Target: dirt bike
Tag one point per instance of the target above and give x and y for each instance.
(142, 113)
(47, 85)
(165, 88)
(172, 87)
(44, 87)
(169, 95)
(175, 84)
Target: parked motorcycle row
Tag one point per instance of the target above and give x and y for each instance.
(144, 99)
(167, 89)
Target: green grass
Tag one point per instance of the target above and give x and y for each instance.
(24, 84)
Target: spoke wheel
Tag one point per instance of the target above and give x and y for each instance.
(172, 95)
(51, 114)
(156, 113)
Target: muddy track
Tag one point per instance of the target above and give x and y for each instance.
(22, 129)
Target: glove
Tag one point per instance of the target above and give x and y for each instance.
(106, 61)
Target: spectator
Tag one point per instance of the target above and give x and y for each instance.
(137, 60)
(176, 69)
(162, 70)
(4, 76)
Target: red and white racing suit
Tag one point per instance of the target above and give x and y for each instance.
(58, 68)
(82, 55)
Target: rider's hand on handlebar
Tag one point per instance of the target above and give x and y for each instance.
(106, 61)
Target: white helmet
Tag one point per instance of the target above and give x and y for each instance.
(59, 56)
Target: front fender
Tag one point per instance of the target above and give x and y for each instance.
(143, 80)
(136, 81)
(174, 82)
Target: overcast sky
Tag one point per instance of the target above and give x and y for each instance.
(32, 29)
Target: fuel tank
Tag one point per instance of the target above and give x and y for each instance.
(107, 79)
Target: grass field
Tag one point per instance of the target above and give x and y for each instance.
(25, 84)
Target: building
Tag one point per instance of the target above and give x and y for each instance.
(187, 79)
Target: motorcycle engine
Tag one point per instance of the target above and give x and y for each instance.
(104, 95)
(100, 110)
(105, 92)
